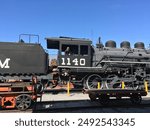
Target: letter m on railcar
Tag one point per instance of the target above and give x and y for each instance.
(5, 64)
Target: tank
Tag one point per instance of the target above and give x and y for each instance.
(111, 44)
(125, 44)
(139, 45)
(22, 59)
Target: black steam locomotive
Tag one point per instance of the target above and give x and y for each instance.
(78, 61)
(81, 62)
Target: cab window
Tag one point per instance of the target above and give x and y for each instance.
(69, 50)
(83, 50)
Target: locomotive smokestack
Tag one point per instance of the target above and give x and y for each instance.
(99, 44)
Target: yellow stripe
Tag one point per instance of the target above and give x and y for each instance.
(99, 86)
(68, 88)
(123, 85)
(146, 86)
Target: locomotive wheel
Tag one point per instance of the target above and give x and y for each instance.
(23, 102)
(112, 81)
(92, 81)
(133, 87)
(136, 99)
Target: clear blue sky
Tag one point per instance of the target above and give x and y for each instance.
(111, 19)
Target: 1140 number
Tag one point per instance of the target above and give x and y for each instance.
(76, 62)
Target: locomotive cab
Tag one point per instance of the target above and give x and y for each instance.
(73, 53)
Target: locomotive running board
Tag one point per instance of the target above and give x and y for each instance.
(80, 67)
(125, 62)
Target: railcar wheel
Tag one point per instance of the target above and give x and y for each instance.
(23, 102)
(136, 99)
(92, 81)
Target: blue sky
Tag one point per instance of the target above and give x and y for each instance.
(111, 19)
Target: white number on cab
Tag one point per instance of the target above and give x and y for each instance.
(75, 61)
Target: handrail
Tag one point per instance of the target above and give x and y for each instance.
(29, 35)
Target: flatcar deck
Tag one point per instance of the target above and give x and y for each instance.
(103, 96)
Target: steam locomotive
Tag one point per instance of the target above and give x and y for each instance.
(78, 61)
(81, 62)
